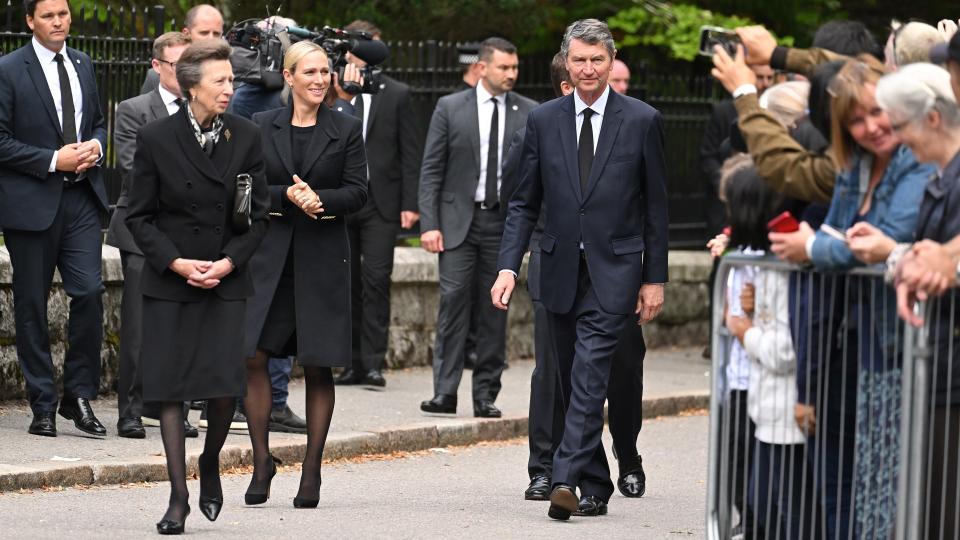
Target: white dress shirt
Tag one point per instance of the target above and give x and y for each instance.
(170, 101)
(48, 64)
(596, 121)
(485, 101)
(366, 111)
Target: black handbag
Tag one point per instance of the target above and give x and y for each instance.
(242, 203)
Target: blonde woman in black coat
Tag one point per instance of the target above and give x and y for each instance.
(196, 281)
(317, 174)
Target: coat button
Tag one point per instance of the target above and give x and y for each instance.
(582, 213)
(220, 207)
(189, 184)
(194, 207)
(196, 230)
(217, 230)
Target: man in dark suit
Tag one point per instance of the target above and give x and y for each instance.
(393, 166)
(201, 22)
(132, 114)
(461, 220)
(595, 158)
(545, 425)
(52, 137)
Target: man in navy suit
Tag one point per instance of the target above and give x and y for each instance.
(595, 158)
(52, 137)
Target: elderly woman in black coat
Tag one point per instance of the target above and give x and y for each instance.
(317, 173)
(196, 281)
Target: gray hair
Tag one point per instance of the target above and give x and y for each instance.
(591, 32)
(910, 43)
(190, 64)
(915, 90)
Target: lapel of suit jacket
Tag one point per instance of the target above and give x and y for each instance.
(375, 100)
(514, 120)
(43, 90)
(86, 85)
(281, 140)
(567, 120)
(191, 148)
(609, 129)
(223, 153)
(323, 134)
(157, 107)
(471, 123)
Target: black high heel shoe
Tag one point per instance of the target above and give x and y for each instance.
(253, 497)
(169, 526)
(210, 506)
(308, 502)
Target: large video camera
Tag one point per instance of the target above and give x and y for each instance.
(259, 47)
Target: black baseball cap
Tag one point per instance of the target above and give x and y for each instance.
(942, 52)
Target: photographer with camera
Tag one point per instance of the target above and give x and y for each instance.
(394, 150)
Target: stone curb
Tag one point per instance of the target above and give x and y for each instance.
(407, 438)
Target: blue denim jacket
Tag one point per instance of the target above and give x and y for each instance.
(894, 209)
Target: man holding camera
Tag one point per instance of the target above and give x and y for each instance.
(393, 166)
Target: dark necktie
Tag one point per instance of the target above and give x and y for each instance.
(585, 149)
(66, 103)
(358, 112)
(490, 197)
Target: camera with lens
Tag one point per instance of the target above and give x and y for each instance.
(258, 48)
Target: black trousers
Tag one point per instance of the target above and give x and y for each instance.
(475, 258)
(586, 338)
(624, 395)
(372, 241)
(130, 383)
(72, 245)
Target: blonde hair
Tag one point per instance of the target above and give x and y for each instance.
(911, 42)
(846, 92)
(297, 52)
(787, 101)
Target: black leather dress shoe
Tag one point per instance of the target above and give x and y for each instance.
(131, 428)
(373, 378)
(190, 431)
(348, 376)
(441, 403)
(43, 424)
(591, 506)
(287, 421)
(80, 411)
(633, 483)
(539, 488)
(563, 502)
(486, 409)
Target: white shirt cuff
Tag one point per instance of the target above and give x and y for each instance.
(744, 89)
(100, 146)
(809, 246)
(508, 270)
(53, 163)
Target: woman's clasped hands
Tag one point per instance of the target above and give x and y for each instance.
(302, 195)
(202, 274)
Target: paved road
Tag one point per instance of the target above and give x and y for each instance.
(472, 492)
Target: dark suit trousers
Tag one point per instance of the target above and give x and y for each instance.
(477, 254)
(586, 338)
(625, 393)
(130, 384)
(72, 244)
(372, 241)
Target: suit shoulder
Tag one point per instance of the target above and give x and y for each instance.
(135, 103)
(160, 129)
(395, 85)
(346, 121)
(265, 118)
(638, 106)
(79, 54)
(454, 97)
(530, 103)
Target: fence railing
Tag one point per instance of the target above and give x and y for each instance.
(829, 417)
(119, 42)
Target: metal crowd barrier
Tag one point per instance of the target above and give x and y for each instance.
(877, 455)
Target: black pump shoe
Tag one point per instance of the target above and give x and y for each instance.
(252, 497)
(210, 506)
(303, 502)
(169, 526)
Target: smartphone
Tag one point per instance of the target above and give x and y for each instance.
(830, 231)
(715, 35)
(784, 223)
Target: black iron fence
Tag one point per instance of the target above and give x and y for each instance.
(120, 41)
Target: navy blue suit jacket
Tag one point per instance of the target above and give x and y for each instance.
(30, 133)
(621, 219)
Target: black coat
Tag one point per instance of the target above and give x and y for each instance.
(939, 220)
(713, 152)
(335, 168)
(181, 203)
